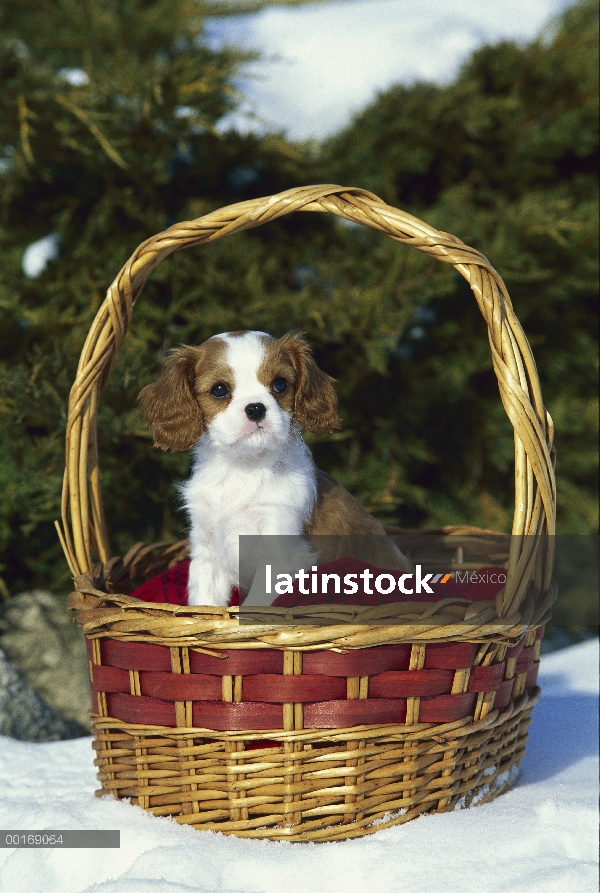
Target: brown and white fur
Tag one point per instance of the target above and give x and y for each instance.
(240, 400)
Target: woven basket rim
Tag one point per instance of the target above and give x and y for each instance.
(213, 628)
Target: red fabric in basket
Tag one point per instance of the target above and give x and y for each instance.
(171, 587)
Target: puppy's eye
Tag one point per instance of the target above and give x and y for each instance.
(220, 390)
(279, 385)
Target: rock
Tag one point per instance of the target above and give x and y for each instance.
(24, 715)
(41, 641)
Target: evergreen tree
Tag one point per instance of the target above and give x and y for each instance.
(111, 122)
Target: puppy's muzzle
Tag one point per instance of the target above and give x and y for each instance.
(256, 411)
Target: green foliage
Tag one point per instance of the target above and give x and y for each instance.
(103, 164)
(504, 158)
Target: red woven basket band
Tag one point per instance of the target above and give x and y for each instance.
(363, 662)
(172, 687)
(292, 689)
(442, 656)
(515, 650)
(272, 688)
(487, 678)
(237, 663)
(411, 683)
(331, 714)
(324, 715)
(324, 697)
(532, 675)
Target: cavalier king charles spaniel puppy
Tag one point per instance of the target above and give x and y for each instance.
(241, 400)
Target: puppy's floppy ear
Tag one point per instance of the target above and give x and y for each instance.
(169, 404)
(315, 401)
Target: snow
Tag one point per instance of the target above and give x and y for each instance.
(76, 77)
(321, 63)
(541, 837)
(38, 255)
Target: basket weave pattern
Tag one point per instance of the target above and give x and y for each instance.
(356, 777)
(248, 689)
(308, 731)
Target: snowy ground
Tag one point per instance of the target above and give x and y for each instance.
(541, 836)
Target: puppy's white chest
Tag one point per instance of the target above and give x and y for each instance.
(226, 499)
(252, 501)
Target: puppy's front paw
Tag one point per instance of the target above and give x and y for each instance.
(208, 585)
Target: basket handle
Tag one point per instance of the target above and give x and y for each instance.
(531, 556)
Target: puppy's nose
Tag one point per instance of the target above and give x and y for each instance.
(256, 411)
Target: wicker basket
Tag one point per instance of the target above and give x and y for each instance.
(304, 731)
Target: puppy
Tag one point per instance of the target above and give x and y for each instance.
(241, 400)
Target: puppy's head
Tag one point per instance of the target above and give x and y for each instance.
(241, 388)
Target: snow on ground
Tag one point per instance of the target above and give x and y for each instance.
(540, 837)
(321, 63)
